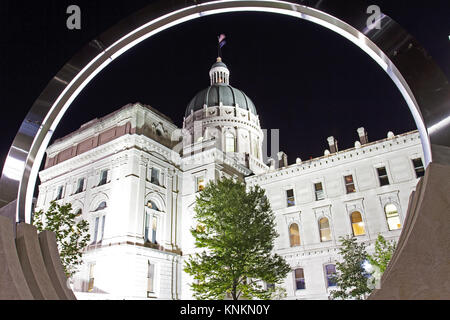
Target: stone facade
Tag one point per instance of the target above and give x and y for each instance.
(134, 176)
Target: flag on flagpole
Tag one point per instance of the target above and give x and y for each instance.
(221, 38)
(222, 42)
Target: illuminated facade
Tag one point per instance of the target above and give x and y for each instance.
(134, 176)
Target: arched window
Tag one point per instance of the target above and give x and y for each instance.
(101, 206)
(79, 212)
(294, 235)
(392, 217)
(152, 205)
(324, 229)
(230, 143)
(330, 272)
(357, 224)
(299, 279)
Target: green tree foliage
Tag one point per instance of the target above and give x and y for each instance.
(383, 253)
(71, 236)
(237, 230)
(351, 277)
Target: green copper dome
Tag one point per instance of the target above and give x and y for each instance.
(216, 93)
(220, 91)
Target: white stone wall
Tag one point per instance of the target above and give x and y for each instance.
(121, 260)
(369, 199)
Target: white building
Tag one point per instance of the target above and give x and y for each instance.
(134, 176)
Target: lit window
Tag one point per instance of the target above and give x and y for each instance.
(382, 176)
(152, 205)
(200, 183)
(80, 185)
(418, 167)
(330, 271)
(318, 189)
(357, 224)
(103, 177)
(155, 176)
(78, 213)
(230, 144)
(349, 184)
(150, 278)
(392, 217)
(324, 229)
(299, 279)
(91, 278)
(290, 198)
(60, 193)
(294, 235)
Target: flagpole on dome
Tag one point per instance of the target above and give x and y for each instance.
(221, 43)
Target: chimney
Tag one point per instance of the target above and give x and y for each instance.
(332, 142)
(362, 133)
(282, 159)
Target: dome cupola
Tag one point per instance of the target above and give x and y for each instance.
(219, 73)
(220, 92)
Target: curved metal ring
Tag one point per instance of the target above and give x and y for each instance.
(422, 84)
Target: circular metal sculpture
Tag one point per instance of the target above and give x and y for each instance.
(422, 84)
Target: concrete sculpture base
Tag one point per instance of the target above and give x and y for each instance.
(13, 285)
(30, 267)
(420, 266)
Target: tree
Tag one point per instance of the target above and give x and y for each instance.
(383, 253)
(237, 230)
(71, 236)
(351, 277)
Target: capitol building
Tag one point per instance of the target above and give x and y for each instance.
(134, 176)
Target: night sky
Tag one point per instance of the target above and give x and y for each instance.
(304, 79)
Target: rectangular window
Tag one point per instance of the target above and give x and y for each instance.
(146, 227)
(60, 193)
(299, 279)
(318, 189)
(91, 278)
(200, 183)
(155, 176)
(94, 240)
(290, 198)
(154, 226)
(330, 270)
(103, 229)
(382, 176)
(418, 167)
(103, 177)
(80, 185)
(349, 184)
(150, 279)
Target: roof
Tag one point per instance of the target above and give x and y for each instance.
(216, 93)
